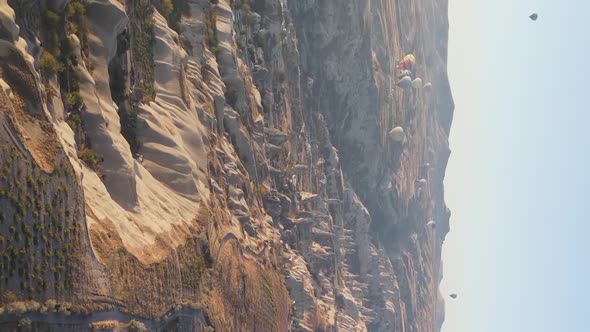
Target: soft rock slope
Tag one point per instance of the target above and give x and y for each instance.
(244, 179)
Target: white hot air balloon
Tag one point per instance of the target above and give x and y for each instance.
(428, 85)
(431, 224)
(417, 83)
(421, 183)
(397, 134)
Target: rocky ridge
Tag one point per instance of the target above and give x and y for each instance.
(191, 164)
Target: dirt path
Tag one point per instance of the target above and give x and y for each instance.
(59, 319)
(247, 251)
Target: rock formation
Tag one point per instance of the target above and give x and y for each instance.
(195, 164)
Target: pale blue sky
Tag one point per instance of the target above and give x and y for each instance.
(517, 180)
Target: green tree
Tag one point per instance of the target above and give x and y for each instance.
(76, 9)
(89, 158)
(49, 65)
(74, 100)
(51, 18)
(166, 8)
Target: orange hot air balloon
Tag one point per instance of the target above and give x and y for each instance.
(407, 62)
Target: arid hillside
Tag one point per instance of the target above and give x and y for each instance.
(200, 165)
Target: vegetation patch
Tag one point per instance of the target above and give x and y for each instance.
(165, 7)
(212, 41)
(78, 23)
(49, 65)
(89, 158)
(136, 326)
(184, 271)
(41, 222)
(141, 24)
(180, 8)
(231, 95)
(59, 58)
(129, 121)
(247, 289)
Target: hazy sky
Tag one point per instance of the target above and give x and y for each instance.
(517, 180)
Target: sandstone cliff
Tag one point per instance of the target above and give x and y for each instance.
(195, 164)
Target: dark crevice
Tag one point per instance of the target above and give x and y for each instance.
(118, 82)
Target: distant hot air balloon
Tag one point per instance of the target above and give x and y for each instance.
(454, 296)
(534, 16)
(403, 73)
(417, 83)
(427, 85)
(407, 62)
(405, 82)
(421, 183)
(397, 134)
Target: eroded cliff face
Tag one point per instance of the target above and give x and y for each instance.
(191, 165)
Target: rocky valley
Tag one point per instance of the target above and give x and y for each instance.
(217, 165)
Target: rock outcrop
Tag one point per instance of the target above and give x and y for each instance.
(190, 164)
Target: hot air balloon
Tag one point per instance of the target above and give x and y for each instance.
(397, 134)
(454, 296)
(427, 85)
(423, 170)
(405, 82)
(421, 183)
(407, 62)
(417, 83)
(403, 73)
(533, 16)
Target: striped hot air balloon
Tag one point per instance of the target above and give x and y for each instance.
(407, 62)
